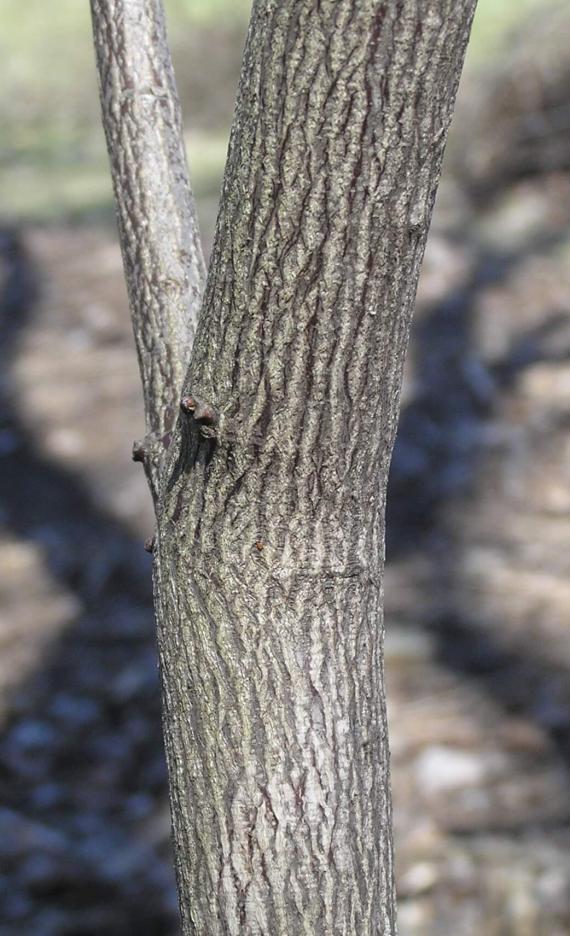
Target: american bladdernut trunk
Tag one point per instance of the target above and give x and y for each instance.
(270, 485)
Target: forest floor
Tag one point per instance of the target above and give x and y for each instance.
(477, 582)
(477, 589)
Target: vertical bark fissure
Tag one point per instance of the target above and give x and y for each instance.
(271, 528)
(162, 254)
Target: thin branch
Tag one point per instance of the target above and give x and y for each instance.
(162, 255)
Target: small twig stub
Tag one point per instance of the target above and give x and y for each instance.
(203, 413)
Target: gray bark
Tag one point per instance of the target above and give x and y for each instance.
(162, 253)
(269, 557)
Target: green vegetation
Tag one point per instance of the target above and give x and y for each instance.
(493, 20)
(208, 10)
(52, 157)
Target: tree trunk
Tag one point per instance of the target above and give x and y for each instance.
(269, 557)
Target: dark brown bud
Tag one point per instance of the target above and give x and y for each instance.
(139, 452)
(188, 404)
(149, 544)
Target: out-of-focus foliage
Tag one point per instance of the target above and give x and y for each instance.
(493, 20)
(516, 116)
(207, 10)
(52, 154)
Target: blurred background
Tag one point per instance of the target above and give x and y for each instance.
(478, 592)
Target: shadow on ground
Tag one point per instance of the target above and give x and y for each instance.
(84, 820)
(84, 845)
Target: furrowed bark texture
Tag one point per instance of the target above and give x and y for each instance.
(271, 523)
(162, 254)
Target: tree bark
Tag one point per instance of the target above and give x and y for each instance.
(162, 253)
(269, 557)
